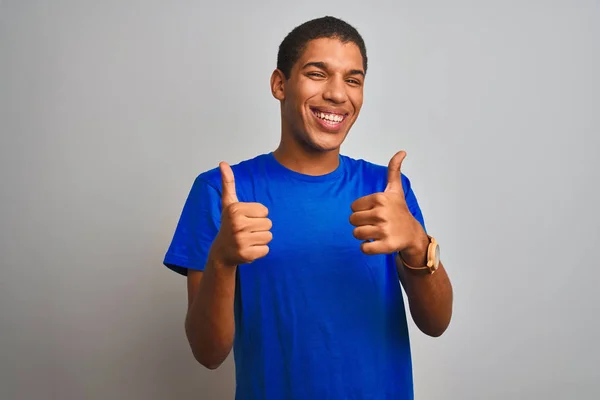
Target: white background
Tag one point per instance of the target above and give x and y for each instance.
(109, 110)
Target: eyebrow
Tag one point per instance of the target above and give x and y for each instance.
(322, 65)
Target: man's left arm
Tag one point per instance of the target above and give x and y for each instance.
(387, 224)
(429, 295)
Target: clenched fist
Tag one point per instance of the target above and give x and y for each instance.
(382, 220)
(245, 229)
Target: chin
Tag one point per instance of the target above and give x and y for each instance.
(315, 140)
(323, 142)
(325, 147)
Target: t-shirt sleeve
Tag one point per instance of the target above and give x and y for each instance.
(411, 202)
(197, 227)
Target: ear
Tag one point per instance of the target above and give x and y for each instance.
(278, 85)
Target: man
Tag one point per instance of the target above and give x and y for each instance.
(296, 258)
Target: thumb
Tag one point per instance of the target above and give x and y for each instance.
(394, 183)
(229, 196)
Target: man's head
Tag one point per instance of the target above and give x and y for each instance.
(321, 67)
(294, 44)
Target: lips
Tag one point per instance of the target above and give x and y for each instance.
(330, 119)
(331, 111)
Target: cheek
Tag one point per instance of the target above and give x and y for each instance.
(307, 91)
(290, 105)
(357, 101)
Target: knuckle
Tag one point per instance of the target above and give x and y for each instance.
(364, 247)
(238, 224)
(262, 251)
(357, 233)
(235, 225)
(246, 256)
(379, 215)
(238, 242)
(234, 208)
(384, 199)
(264, 209)
(385, 230)
(352, 219)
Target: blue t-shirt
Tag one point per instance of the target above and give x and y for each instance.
(316, 318)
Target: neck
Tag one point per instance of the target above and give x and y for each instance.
(296, 157)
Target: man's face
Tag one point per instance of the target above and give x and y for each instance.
(324, 94)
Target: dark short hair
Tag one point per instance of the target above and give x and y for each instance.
(292, 46)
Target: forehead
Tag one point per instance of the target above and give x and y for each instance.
(333, 52)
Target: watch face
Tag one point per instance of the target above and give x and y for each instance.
(437, 255)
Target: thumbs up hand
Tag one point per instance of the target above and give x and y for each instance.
(245, 229)
(382, 220)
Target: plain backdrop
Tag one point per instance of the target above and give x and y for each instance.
(109, 110)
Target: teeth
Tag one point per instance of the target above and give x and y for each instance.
(330, 117)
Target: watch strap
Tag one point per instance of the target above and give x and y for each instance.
(431, 265)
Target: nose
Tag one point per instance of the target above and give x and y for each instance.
(336, 91)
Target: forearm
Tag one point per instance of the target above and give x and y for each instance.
(430, 295)
(209, 324)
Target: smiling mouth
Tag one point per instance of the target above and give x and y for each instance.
(329, 120)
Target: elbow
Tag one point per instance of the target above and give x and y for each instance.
(434, 328)
(208, 361)
(434, 331)
(433, 323)
(208, 364)
(206, 356)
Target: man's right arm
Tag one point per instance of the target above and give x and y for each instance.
(243, 237)
(209, 323)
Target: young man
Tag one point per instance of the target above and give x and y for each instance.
(296, 258)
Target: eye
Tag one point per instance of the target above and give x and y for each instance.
(353, 82)
(316, 74)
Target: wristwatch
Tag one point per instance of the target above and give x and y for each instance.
(433, 257)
